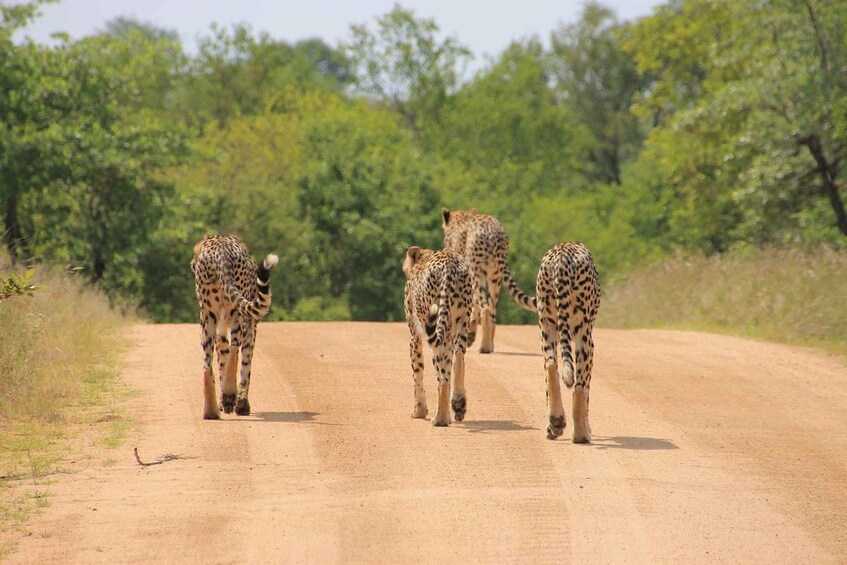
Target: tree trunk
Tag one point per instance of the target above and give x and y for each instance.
(827, 172)
(98, 267)
(14, 239)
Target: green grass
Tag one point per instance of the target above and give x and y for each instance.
(59, 352)
(784, 295)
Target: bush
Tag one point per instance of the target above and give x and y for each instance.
(58, 353)
(16, 285)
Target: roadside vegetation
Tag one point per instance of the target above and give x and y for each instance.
(58, 351)
(787, 295)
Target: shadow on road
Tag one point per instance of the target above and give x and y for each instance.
(636, 443)
(517, 353)
(482, 426)
(290, 417)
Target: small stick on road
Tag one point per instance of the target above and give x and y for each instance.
(161, 460)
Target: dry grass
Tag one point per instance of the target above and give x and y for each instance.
(59, 351)
(790, 296)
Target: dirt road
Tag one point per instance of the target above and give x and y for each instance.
(706, 449)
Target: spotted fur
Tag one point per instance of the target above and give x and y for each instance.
(568, 297)
(438, 306)
(233, 295)
(484, 245)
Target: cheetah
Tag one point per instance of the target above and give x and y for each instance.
(568, 297)
(484, 245)
(233, 295)
(438, 305)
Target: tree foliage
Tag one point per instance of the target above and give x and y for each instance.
(238, 73)
(525, 140)
(599, 81)
(750, 138)
(81, 172)
(406, 66)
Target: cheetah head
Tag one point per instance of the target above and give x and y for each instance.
(414, 256)
(456, 216)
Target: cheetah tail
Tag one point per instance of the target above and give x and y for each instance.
(258, 308)
(263, 276)
(265, 270)
(524, 300)
(438, 319)
(565, 335)
(567, 359)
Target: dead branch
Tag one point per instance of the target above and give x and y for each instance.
(166, 457)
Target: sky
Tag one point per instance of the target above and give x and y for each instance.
(485, 26)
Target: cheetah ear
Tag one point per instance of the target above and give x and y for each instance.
(413, 254)
(445, 213)
(197, 247)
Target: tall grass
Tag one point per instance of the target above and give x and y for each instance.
(58, 354)
(784, 295)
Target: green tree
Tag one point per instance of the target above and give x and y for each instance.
(82, 164)
(751, 136)
(512, 136)
(237, 73)
(20, 111)
(369, 197)
(125, 27)
(404, 65)
(599, 80)
(336, 188)
(149, 59)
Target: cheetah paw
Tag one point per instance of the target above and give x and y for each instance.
(556, 427)
(419, 411)
(459, 408)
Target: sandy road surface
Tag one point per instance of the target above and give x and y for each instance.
(707, 449)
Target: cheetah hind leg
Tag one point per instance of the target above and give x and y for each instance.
(227, 363)
(416, 357)
(458, 398)
(555, 408)
(228, 384)
(442, 359)
(442, 414)
(581, 427)
(472, 326)
(211, 411)
(242, 404)
(487, 343)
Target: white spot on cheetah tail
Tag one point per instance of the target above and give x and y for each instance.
(271, 260)
(433, 310)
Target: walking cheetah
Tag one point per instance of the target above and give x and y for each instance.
(484, 245)
(233, 295)
(438, 304)
(568, 297)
